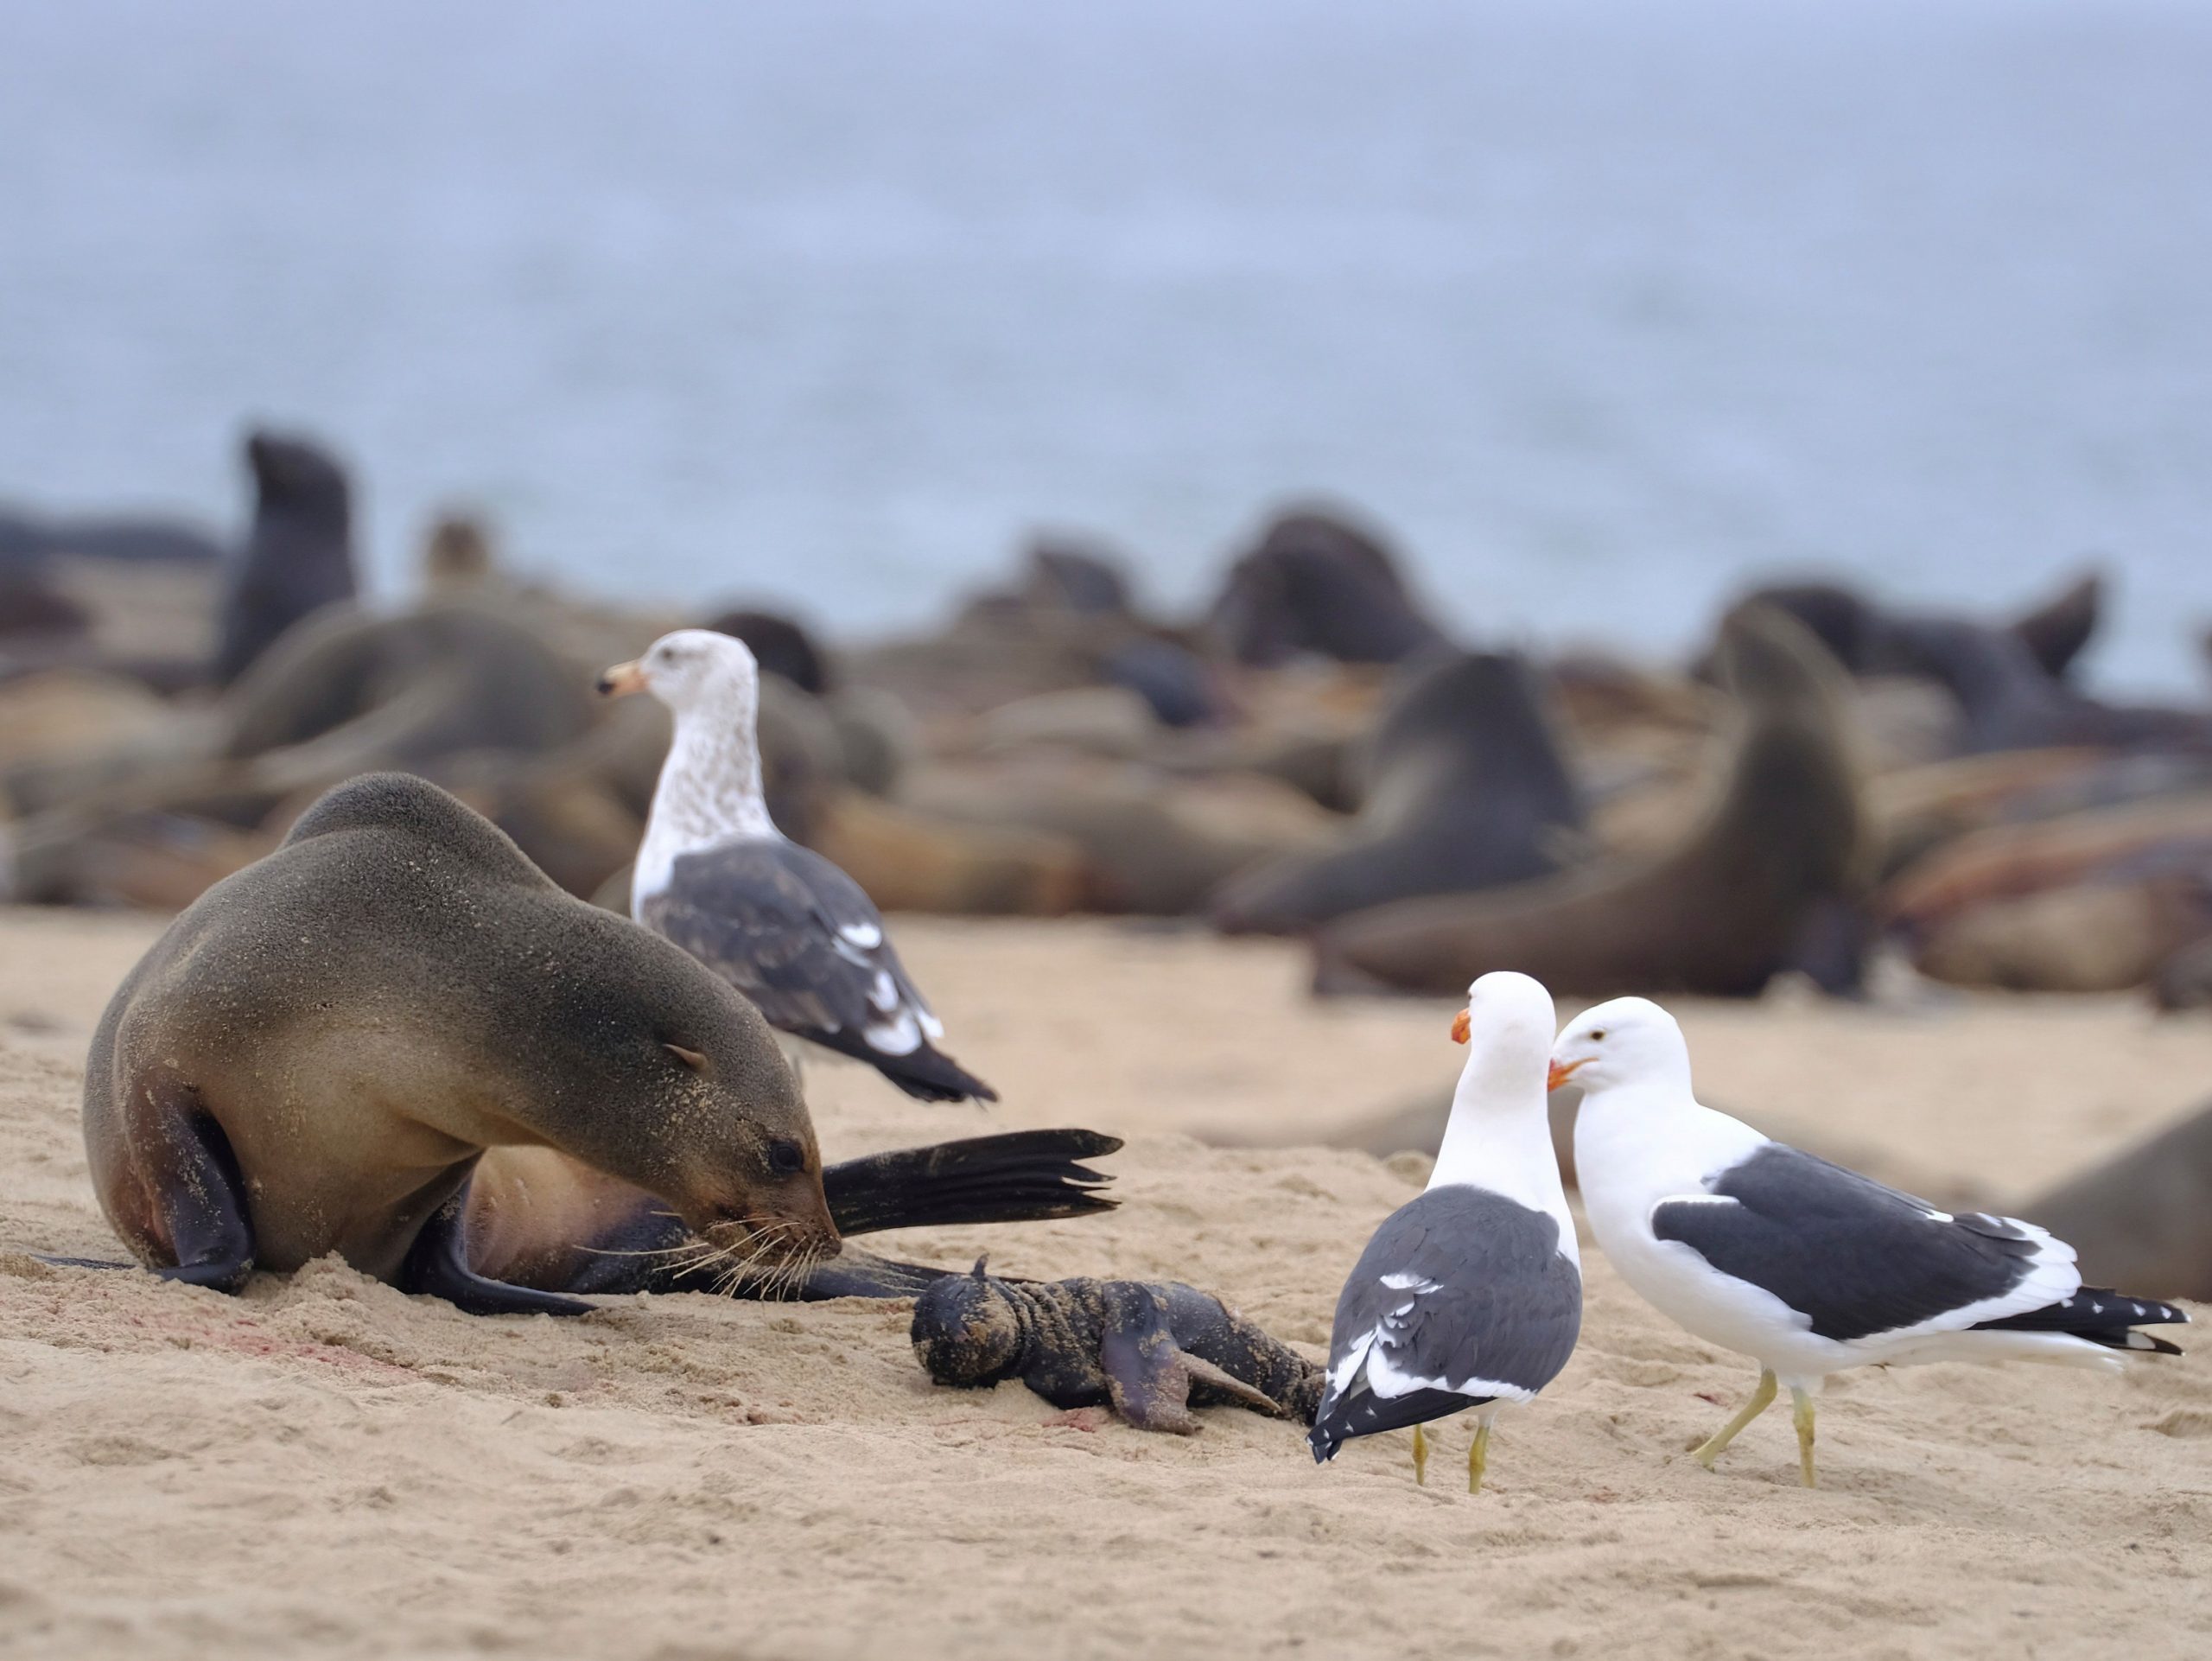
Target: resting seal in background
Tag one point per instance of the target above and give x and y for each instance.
(1466, 790)
(1317, 585)
(1864, 636)
(2143, 1217)
(1153, 1349)
(1774, 862)
(315, 1056)
(297, 558)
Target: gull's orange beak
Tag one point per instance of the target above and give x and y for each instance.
(1459, 1028)
(622, 680)
(1559, 1075)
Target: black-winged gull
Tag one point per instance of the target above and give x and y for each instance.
(780, 923)
(1806, 1267)
(1471, 1296)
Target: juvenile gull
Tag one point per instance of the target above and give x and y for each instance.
(1471, 1296)
(780, 923)
(1804, 1266)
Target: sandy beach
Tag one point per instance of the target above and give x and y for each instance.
(325, 1467)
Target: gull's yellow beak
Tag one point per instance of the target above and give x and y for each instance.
(1559, 1075)
(1459, 1028)
(622, 680)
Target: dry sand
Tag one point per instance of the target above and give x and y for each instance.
(324, 1468)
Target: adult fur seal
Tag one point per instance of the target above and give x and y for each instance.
(1777, 855)
(1467, 790)
(1864, 636)
(299, 556)
(316, 1054)
(2009, 700)
(2146, 1214)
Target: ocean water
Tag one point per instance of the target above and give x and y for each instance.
(1601, 308)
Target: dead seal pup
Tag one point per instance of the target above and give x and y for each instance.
(1152, 1350)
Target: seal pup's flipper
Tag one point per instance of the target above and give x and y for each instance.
(437, 1264)
(1147, 1376)
(1018, 1176)
(1204, 1372)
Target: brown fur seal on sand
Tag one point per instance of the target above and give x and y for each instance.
(2145, 1216)
(1153, 846)
(909, 860)
(314, 1057)
(2087, 901)
(1719, 914)
(2184, 979)
(1466, 790)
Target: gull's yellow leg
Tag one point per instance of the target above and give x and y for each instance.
(1420, 1457)
(1800, 1403)
(1478, 1458)
(1762, 1399)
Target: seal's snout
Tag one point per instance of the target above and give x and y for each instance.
(622, 680)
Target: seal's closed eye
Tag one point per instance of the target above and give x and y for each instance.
(691, 1058)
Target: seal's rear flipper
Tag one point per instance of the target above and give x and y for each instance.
(437, 1265)
(1018, 1176)
(1146, 1375)
(193, 1176)
(1203, 1372)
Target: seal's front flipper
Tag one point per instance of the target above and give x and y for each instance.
(850, 1274)
(1018, 1176)
(81, 1262)
(198, 1191)
(437, 1264)
(1147, 1376)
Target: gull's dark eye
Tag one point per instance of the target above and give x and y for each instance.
(1598, 1037)
(786, 1157)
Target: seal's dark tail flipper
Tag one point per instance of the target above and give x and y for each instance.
(437, 1264)
(1020, 1176)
